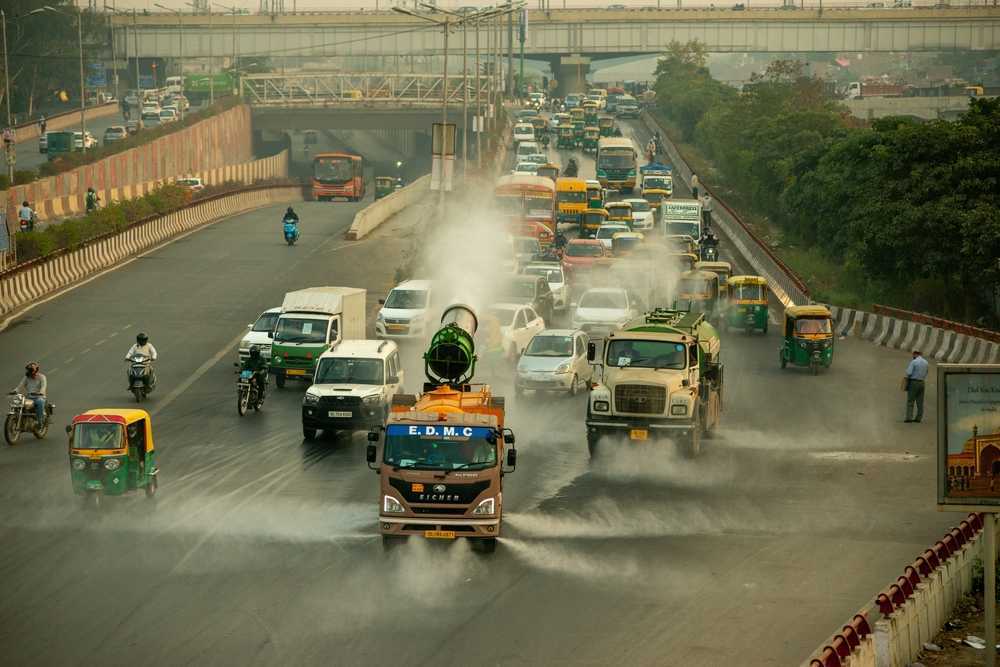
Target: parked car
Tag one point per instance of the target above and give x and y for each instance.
(192, 183)
(555, 360)
(115, 133)
(518, 325)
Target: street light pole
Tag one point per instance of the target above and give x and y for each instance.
(180, 44)
(83, 102)
(114, 52)
(479, 108)
(6, 95)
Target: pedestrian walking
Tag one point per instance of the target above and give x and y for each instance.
(916, 375)
(706, 210)
(41, 124)
(8, 137)
(695, 185)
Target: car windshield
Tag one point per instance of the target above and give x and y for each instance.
(574, 197)
(612, 300)
(526, 167)
(639, 205)
(550, 346)
(266, 322)
(519, 289)
(349, 370)
(747, 292)
(607, 231)
(504, 316)
(525, 246)
(300, 330)
(98, 435)
(408, 299)
(524, 129)
(813, 325)
(552, 276)
(437, 447)
(583, 250)
(646, 354)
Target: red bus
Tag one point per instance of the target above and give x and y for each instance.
(338, 175)
(528, 198)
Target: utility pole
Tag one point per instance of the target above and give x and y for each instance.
(138, 81)
(479, 108)
(465, 100)
(523, 35)
(510, 49)
(114, 51)
(11, 149)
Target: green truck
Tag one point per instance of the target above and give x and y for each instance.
(312, 321)
(59, 143)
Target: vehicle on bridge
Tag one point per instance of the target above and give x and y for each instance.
(590, 113)
(747, 307)
(591, 220)
(606, 124)
(384, 186)
(807, 338)
(571, 196)
(527, 198)
(441, 470)
(111, 452)
(616, 163)
(22, 418)
(662, 376)
(541, 127)
(338, 175)
(58, 143)
(619, 211)
(724, 270)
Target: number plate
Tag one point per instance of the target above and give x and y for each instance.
(338, 413)
(638, 434)
(295, 371)
(440, 534)
(395, 327)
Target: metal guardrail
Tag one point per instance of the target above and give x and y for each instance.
(358, 89)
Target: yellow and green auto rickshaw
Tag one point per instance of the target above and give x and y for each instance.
(548, 170)
(607, 125)
(590, 114)
(808, 338)
(591, 221)
(747, 307)
(619, 211)
(110, 453)
(540, 125)
(560, 120)
(567, 137)
(590, 138)
(595, 195)
(384, 185)
(577, 115)
(701, 290)
(724, 270)
(623, 243)
(682, 261)
(578, 127)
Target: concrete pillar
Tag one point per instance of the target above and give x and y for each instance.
(571, 73)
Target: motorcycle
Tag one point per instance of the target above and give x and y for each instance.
(141, 378)
(247, 394)
(710, 254)
(291, 231)
(21, 418)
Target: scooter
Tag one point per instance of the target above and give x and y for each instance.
(21, 418)
(291, 231)
(141, 378)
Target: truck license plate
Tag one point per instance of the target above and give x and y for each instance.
(638, 434)
(338, 413)
(295, 371)
(440, 534)
(395, 327)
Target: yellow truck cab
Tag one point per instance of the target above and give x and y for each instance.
(571, 198)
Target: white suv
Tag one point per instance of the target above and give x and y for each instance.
(352, 388)
(404, 310)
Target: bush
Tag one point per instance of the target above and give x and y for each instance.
(21, 177)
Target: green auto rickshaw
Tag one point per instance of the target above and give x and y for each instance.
(541, 127)
(607, 125)
(590, 115)
(701, 290)
(590, 137)
(747, 307)
(724, 270)
(567, 138)
(110, 453)
(578, 127)
(384, 185)
(595, 195)
(808, 338)
(590, 221)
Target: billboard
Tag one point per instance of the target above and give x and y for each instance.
(968, 408)
(96, 75)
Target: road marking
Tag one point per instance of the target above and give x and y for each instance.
(101, 342)
(194, 377)
(52, 370)
(69, 361)
(85, 352)
(112, 334)
(126, 327)
(869, 457)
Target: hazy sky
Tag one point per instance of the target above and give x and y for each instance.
(335, 5)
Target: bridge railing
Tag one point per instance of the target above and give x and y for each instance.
(360, 89)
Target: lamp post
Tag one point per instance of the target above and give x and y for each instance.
(114, 52)
(83, 102)
(180, 45)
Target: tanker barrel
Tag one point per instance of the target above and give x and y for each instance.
(451, 355)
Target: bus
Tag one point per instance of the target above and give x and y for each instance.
(338, 175)
(531, 198)
(616, 163)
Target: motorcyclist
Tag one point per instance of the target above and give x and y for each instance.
(710, 241)
(571, 168)
(26, 216)
(256, 363)
(34, 385)
(145, 348)
(545, 140)
(291, 215)
(92, 199)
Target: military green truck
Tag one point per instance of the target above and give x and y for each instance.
(660, 377)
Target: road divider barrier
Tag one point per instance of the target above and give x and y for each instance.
(370, 217)
(936, 338)
(913, 608)
(28, 282)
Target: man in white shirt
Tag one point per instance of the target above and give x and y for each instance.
(916, 374)
(145, 348)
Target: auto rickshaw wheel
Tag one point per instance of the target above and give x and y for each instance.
(11, 430)
(151, 486)
(309, 433)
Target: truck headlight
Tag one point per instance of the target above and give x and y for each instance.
(601, 406)
(679, 410)
(390, 504)
(488, 506)
(310, 399)
(79, 464)
(112, 464)
(371, 400)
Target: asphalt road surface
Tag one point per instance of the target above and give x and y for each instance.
(263, 549)
(28, 156)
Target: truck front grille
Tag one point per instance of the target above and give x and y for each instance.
(640, 399)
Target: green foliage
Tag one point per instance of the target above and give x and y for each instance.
(685, 90)
(21, 176)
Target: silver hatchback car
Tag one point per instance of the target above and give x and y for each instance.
(556, 361)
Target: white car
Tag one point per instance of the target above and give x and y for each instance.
(603, 309)
(525, 249)
(518, 325)
(526, 148)
(259, 334)
(525, 169)
(150, 108)
(554, 276)
(555, 360)
(84, 140)
(538, 159)
(405, 311)
(607, 231)
(523, 132)
(192, 183)
(168, 116)
(642, 215)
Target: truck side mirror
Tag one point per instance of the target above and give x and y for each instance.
(512, 458)
(270, 334)
(508, 436)
(370, 454)
(69, 429)
(591, 351)
(372, 436)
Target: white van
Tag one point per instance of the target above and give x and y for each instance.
(175, 84)
(404, 310)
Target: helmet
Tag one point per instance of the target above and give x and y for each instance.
(24, 203)
(290, 210)
(254, 352)
(32, 368)
(142, 339)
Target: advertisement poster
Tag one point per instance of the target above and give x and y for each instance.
(968, 435)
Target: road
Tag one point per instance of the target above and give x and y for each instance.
(262, 549)
(28, 156)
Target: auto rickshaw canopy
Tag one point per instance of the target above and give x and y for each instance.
(592, 132)
(124, 417)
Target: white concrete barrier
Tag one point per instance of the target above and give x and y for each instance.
(370, 217)
(26, 283)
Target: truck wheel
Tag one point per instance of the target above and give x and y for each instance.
(309, 433)
(279, 381)
(486, 545)
(592, 445)
(693, 443)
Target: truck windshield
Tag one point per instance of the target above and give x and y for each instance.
(656, 182)
(571, 197)
(684, 228)
(646, 354)
(438, 447)
(406, 299)
(349, 370)
(97, 435)
(296, 330)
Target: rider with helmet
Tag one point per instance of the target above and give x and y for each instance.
(34, 385)
(255, 362)
(145, 348)
(291, 215)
